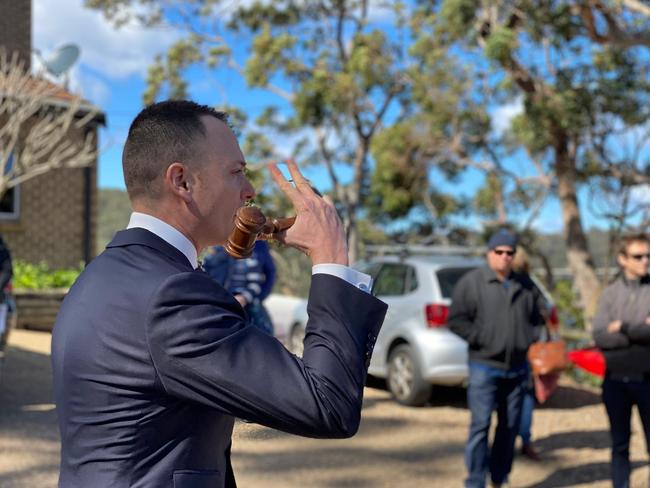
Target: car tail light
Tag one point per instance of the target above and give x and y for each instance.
(436, 315)
(553, 320)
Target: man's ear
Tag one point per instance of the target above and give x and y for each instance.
(177, 180)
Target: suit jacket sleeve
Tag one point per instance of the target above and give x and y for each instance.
(203, 351)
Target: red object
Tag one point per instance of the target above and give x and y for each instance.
(436, 315)
(553, 320)
(545, 385)
(589, 359)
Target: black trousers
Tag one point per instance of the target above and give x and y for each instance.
(619, 396)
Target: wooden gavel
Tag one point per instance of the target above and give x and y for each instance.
(250, 225)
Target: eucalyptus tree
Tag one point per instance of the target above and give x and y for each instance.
(580, 70)
(334, 68)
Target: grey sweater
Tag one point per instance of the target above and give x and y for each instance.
(627, 353)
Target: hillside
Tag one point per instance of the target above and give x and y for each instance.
(114, 212)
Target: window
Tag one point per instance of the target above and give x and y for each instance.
(411, 279)
(394, 279)
(448, 277)
(368, 268)
(10, 201)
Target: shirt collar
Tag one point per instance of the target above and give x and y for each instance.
(167, 233)
(490, 276)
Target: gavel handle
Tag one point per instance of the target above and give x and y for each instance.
(275, 226)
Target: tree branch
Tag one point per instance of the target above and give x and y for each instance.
(39, 133)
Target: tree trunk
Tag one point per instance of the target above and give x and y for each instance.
(578, 255)
(354, 197)
(352, 233)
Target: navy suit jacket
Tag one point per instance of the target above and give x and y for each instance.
(152, 361)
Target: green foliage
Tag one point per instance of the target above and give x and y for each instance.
(566, 301)
(500, 44)
(457, 16)
(39, 276)
(370, 61)
(168, 72)
(270, 51)
(443, 66)
(114, 211)
(485, 199)
(399, 178)
(531, 130)
(311, 101)
(260, 14)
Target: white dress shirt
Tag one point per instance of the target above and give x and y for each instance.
(176, 238)
(167, 233)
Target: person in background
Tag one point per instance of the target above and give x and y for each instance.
(496, 311)
(6, 273)
(250, 280)
(621, 330)
(521, 264)
(6, 269)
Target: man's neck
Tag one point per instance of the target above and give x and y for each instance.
(170, 218)
(502, 275)
(632, 276)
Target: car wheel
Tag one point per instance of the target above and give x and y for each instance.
(405, 380)
(296, 339)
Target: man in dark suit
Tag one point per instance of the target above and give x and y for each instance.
(153, 360)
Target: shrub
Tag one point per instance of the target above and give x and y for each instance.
(566, 300)
(39, 276)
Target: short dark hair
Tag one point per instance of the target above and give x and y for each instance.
(625, 242)
(160, 134)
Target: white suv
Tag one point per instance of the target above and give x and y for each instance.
(414, 349)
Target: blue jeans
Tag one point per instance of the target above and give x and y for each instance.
(489, 389)
(619, 397)
(527, 407)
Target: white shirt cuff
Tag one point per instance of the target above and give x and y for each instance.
(352, 276)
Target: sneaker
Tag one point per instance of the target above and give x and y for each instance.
(530, 452)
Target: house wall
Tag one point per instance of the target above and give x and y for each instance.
(51, 224)
(54, 223)
(16, 28)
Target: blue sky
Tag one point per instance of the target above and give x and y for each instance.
(111, 73)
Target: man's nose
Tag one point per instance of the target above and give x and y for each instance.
(248, 192)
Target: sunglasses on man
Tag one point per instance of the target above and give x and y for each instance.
(639, 257)
(500, 252)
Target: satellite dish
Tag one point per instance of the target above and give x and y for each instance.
(62, 59)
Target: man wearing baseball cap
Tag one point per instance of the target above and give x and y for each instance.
(496, 311)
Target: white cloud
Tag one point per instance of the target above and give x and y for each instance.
(115, 53)
(503, 115)
(92, 88)
(641, 194)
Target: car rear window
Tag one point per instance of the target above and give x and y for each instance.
(448, 277)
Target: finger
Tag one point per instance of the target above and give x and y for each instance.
(285, 186)
(328, 200)
(301, 182)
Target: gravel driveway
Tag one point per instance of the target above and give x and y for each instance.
(395, 447)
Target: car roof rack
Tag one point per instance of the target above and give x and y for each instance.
(405, 250)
